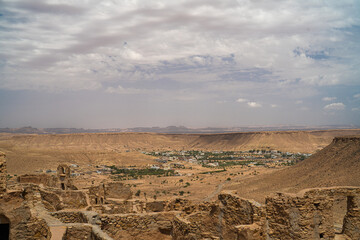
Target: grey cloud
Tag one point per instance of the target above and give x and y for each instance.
(49, 8)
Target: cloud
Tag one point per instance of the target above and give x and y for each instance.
(335, 106)
(299, 102)
(355, 109)
(254, 104)
(274, 105)
(357, 95)
(259, 41)
(241, 100)
(328, 99)
(121, 90)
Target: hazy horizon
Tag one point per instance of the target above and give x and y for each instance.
(91, 64)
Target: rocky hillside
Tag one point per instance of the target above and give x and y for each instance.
(338, 164)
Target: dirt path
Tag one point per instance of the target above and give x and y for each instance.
(216, 192)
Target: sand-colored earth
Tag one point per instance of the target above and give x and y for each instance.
(338, 164)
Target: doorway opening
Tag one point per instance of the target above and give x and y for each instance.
(340, 208)
(4, 227)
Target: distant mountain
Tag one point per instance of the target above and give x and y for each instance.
(171, 129)
(28, 130)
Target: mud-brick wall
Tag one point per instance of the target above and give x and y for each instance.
(70, 217)
(138, 226)
(292, 217)
(3, 172)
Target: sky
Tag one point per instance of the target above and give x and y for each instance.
(196, 63)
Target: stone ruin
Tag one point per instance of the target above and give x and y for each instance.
(44, 207)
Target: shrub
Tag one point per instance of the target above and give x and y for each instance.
(137, 193)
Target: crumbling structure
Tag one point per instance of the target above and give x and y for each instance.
(63, 174)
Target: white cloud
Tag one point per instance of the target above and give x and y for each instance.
(254, 104)
(241, 100)
(355, 109)
(274, 105)
(122, 90)
(357, 95)
(328, 99)
(335, 106)
(299, 102)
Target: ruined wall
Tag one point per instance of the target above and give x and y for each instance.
(97, 194)
(73, 199)
(138, 226)
(70, 217)
(293, 217)
(44, 179)
(225, 220)
(55, 199)
(117, 190)
(114, 206)
(112, 190)
(51, 201)
(84, 231)
(64, 179)
(23, 225)
(310, 214)
(352, 218)
(3, 172)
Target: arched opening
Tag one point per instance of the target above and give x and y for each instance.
(96, 201)
(4, 227)
(101, 201)
(63, 186)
